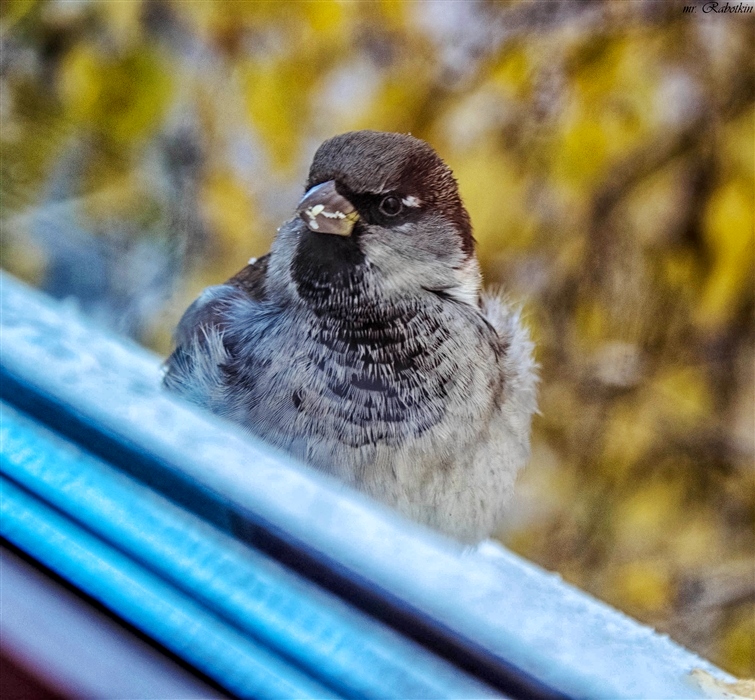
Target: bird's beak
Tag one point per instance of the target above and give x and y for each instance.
(326, 211)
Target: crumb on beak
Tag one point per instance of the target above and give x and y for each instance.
(324, 210)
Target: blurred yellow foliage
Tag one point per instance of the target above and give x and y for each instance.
(682, 396)
(592, 323)
(630, 432)
(642, 586)
(646, 515)
(496, 198)
(696, 539)
(581, 155)
(326, 20)
(513, 73)
(738, 148)
(99, 90)
(11, 11)
(123, 20)
(739, 644)
(230, 213)
(276, 100)
(730, 234)
(682, 272)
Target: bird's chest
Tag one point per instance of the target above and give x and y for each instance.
(372, 379)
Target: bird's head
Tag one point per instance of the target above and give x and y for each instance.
(382, 210)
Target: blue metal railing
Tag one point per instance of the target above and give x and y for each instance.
(194, 575)
(268, 577)
(61, 644)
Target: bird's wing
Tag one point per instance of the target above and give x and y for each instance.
(195, 368)
(517, 359)
(252, 278)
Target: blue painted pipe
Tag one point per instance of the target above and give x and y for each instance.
(341, 647)
(170, 617)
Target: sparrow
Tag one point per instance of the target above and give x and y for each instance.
(362, 343)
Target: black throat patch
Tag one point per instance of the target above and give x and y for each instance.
(325, 265)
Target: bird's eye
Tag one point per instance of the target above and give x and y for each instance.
(391, 206)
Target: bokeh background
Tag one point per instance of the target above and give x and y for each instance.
(604, 149)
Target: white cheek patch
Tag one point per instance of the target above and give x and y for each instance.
(411, 201)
